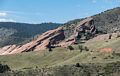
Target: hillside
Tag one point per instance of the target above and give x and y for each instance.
(17, 33)
(108, 21)
(86, 47)
(105, 22)
(63, 56)
(63, 62)
(73, 32)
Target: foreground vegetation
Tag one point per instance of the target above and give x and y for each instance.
(87, 69)
(82, 59)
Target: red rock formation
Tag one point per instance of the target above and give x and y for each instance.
(53, 36)
(83, 26)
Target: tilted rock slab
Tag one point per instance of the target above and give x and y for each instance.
(53, 36)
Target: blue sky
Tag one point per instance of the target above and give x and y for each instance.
(59, 11)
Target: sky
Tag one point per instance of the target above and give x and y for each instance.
(57, 11)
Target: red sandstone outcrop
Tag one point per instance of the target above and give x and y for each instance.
(53, 36)
(83, 26)
(56, 37)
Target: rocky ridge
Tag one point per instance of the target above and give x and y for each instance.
(53, 36)
(57, 38)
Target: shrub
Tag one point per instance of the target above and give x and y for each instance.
(4, 68)
(49, 47)
(77, 65)
(80, 48)
(115, 54)
(110, 35)
(86, 48)
(70, 48)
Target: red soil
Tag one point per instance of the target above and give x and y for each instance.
(106, 50)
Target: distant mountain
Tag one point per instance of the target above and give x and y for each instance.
(18, 33)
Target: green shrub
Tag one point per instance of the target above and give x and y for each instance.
(80, 48)
(70, 47)
(77, 65)
(86, 48)
(4, 68)
(110, 35)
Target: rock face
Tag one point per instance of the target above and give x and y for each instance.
(84, 26)
(53, 36)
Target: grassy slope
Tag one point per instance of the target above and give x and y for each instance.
(112, 43)
(62, 56)
(32, 59)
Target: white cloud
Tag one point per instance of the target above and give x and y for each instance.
(7, 20)
(2, 14)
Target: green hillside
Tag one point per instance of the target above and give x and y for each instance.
(63, 56)
(82, 59)
(59, 57)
